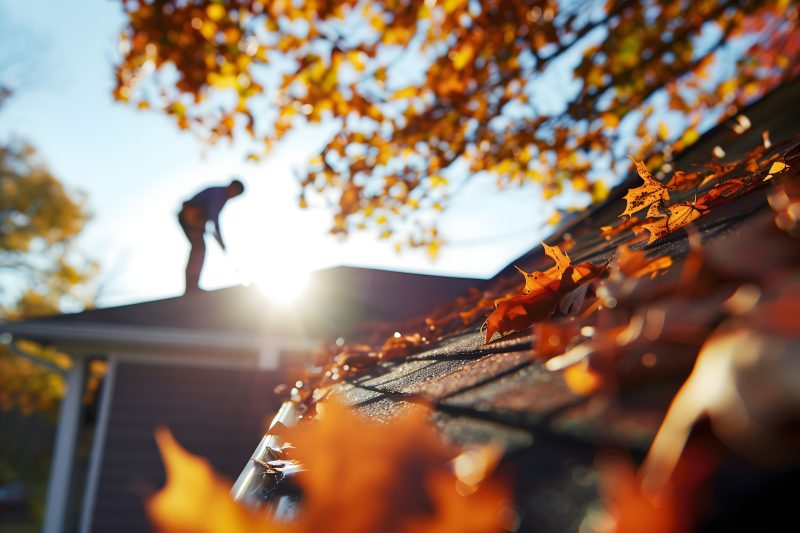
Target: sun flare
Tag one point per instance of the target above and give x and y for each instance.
(284, 284)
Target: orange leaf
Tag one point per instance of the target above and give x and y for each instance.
(610, 231)
(363, 477)
(653, 211)
(683, 180)
(533, 280)
(641, 197)
(196, 499)
(582, 379)
(400, 345)
(633, 263)
(630, 508)
(360, 477)
(519, 312)
(536, 280)
(561, 258)
(679, 215)
(552, 338)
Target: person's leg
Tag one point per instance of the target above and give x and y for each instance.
(197, 253)
(195, 263)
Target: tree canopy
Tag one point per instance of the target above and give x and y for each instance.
(423, 96)
(42, 272)
(39, 220)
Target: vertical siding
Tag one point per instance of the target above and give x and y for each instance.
(215, 412)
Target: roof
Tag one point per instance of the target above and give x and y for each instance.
(502, 393)
(337, 299)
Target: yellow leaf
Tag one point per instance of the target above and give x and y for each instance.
(777, 166)
(599, 191)
(408, 92)
(215, 12)
(642, 197)
(663, 131)
(208, 30)
(222, 81)
(689, 136)
(357, 59)
(433, 249)
(437, 181)
(611, 120)
(679, 215)
(561, 258)
(653, 212)
(462, 56)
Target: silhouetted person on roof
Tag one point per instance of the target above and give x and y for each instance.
(196, 212)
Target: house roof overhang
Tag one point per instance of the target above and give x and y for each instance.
(241, 320)
(88, 337)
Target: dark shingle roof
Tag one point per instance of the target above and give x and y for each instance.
(337, 299)
(500, 393)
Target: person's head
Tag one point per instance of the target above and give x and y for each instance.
(235, 188)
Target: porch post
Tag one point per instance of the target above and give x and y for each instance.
(61, 468)
(96, 457)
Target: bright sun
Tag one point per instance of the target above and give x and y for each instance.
(283, 284)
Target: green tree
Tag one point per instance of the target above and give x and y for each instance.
(425, 95)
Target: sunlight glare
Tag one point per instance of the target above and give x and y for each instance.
(283, 285)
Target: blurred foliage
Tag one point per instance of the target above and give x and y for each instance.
(41, 270)
(424, 95)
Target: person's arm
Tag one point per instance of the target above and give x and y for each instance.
(217, 234)
(214, 206)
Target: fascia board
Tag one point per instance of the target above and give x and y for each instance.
(86, 335)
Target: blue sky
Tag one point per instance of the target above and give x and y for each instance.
(136, 167)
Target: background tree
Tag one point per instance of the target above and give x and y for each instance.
(42, 273)
(425, 95)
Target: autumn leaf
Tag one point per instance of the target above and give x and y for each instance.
(476, 513)
(200, 52)
(359, 477)
(630, 508)
(654, 212)
(400, 345)
(533, 280)
(364, 477)
(776, 168)
(521, 311)
(552, 338)
(611, 231)
(740, 381)
(678, 216)
(634, 263)
(643, 196)
(683, 180)
(556, 254)
(196, 499)
(541, 294)
(582, 379)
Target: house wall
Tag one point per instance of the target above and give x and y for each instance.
(216, 412)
